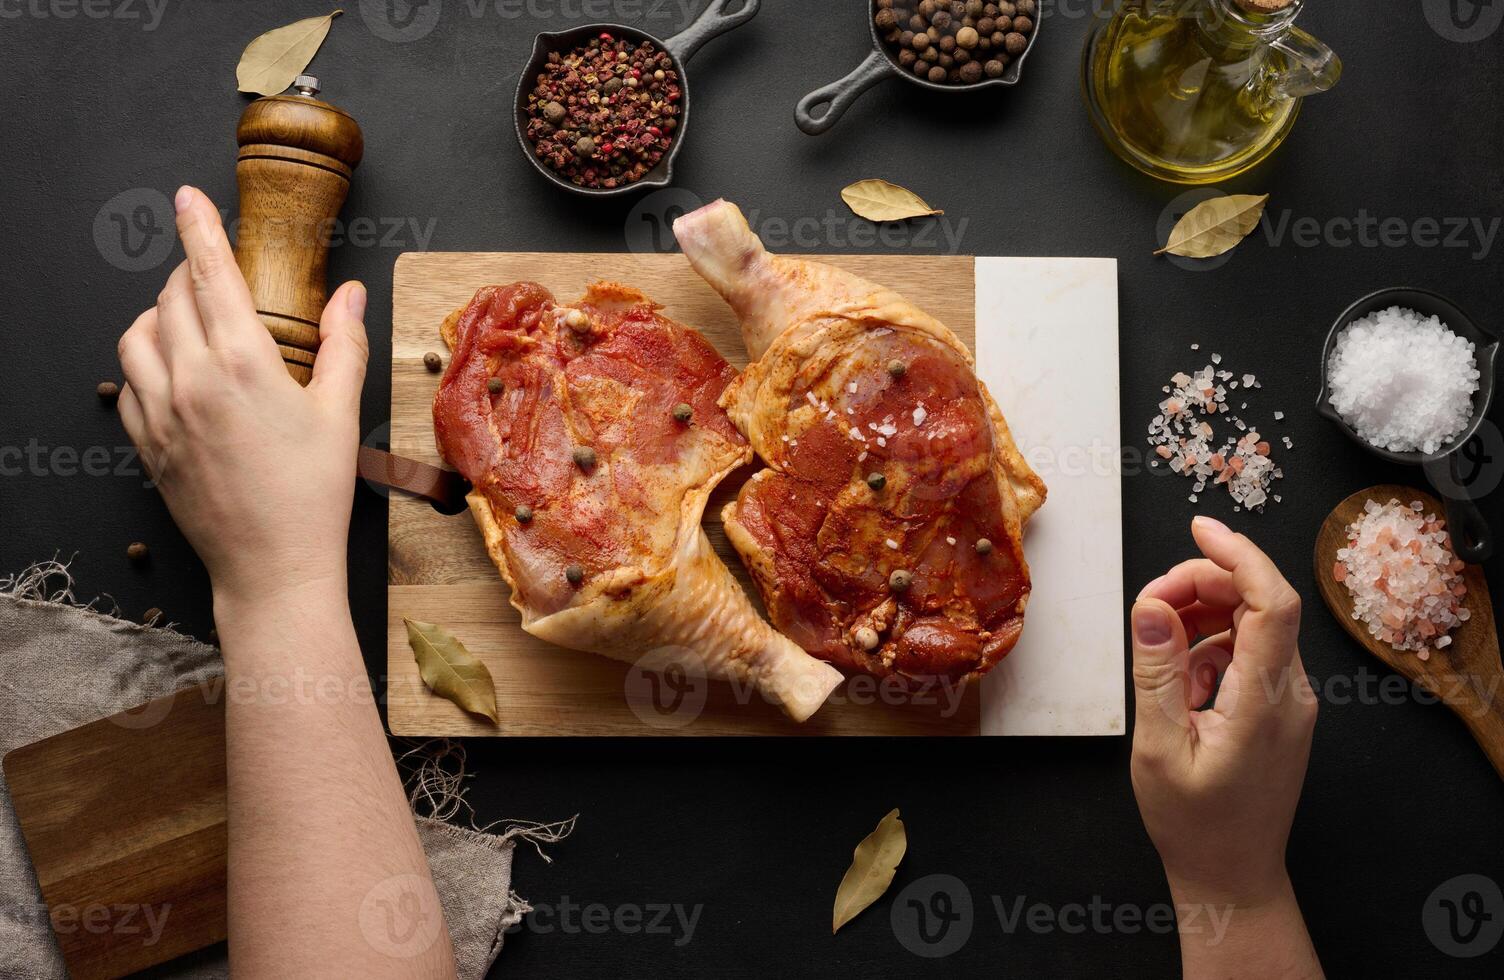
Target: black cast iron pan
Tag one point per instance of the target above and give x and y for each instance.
(717, 19)
(1455, 469)
(822, 108)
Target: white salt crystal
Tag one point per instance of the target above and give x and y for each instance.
(1404, 382)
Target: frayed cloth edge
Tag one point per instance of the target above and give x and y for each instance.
(435, 776)
(31, 586)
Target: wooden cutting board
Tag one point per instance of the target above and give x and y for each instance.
(438, 571)
(124, 819)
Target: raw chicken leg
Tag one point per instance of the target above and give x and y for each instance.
(590, 479)
(885, 534)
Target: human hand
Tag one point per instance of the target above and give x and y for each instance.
(257, 471)
(1217, 787)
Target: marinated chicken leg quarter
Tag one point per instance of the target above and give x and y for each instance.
(885, 534)
(593, 436)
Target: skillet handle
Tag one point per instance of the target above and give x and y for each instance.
(1472, 538)
(712, 23)
(838, 95)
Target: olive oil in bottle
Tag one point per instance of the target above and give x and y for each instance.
(1195, 91)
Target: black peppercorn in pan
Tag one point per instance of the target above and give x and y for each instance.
(941, 45)
(954, 42)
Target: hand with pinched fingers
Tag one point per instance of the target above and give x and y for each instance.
(1217, 783)
(257, 471)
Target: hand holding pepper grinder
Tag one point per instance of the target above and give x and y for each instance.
(297, 155)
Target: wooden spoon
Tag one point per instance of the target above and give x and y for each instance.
(1466, 676)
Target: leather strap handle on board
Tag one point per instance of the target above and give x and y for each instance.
(445, 489)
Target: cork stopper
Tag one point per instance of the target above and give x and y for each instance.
(1264, 6)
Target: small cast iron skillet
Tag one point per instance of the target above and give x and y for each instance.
(712, 23)
(1472, 540)
(880, 65)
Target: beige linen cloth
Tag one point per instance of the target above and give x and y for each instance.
(63, 665)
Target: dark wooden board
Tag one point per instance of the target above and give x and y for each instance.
(124, 819)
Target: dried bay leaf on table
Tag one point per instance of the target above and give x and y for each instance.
(450, 670)
(1214, 226)
(878, 200)
(272, 61)
(872, 866)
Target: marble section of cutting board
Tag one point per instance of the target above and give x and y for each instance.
(1047, 347)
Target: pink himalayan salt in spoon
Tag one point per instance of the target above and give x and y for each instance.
(1466, 674)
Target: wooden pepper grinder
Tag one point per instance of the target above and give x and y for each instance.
(296, 158)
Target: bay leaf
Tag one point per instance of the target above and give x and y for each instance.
(872, 866)
(1214, 226)
(450, 670)
(878, 200)
(272, 61)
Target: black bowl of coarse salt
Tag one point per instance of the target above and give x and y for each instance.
(1410, 377)
(602, 109)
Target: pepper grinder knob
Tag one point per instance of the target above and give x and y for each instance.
(297, 155)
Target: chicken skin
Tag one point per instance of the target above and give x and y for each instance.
(885, 534)
(592, 436)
